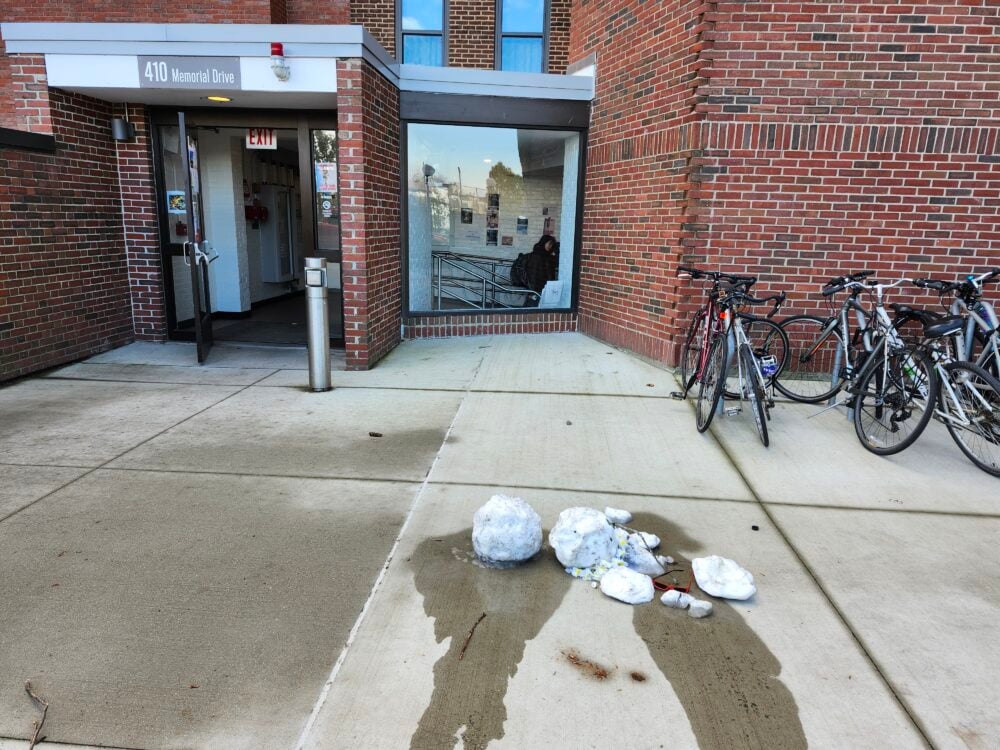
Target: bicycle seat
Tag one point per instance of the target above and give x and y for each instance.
(915, 313)
(943, 327)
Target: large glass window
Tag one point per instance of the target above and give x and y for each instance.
(521, 35)
(421, 25)
(491, 217)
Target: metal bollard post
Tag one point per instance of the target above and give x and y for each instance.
(319, 325)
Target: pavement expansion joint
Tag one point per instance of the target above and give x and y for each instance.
(817, 581)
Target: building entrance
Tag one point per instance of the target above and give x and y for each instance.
(263, 194)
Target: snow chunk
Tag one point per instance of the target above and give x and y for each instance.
(627, 586)
(506, 531)
(616, 515)
(700, 608)
(677, 599)
(641, 559)
(583, 537)
(664, 560)
(720, 576)
(652, 540)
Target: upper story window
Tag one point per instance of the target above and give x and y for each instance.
(421, 31)
(521, 35)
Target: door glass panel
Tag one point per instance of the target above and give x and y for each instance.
(327, 202)
(175, 199)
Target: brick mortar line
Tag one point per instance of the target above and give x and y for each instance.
(88, 472)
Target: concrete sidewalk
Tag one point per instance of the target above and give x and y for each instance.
(211, 557)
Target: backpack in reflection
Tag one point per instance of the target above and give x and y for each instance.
(519, 271)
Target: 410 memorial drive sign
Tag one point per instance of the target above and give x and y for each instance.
(189, 72)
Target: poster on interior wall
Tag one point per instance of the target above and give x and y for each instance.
(466, 215)
(491, 236)
(492, 218)
(493, 200)
(507, 240)
(545, 211)
(326, 177)
(176, 202)
(550, 226)
(522, 224)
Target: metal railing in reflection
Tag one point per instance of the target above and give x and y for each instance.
(476, 281)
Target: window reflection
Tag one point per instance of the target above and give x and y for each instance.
(477, 199)
(327, 193)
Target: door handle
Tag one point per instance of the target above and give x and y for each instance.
(184, 253)
(201, 256)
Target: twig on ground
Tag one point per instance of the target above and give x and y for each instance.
(468, 638)
(37, 724)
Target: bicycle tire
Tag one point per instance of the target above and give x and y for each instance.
(888, 401)
(691, 352)
(804, 384)
(755, 392)
(712, 383)
(988, 430)
(767, 339)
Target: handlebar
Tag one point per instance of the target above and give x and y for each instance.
(698, 273)
(840, 283)
(969, 287)
(737, 296)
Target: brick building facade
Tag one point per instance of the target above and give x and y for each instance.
(793, 142)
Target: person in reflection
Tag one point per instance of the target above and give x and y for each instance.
(543, 266)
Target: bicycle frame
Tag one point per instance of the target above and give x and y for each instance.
(983, 317)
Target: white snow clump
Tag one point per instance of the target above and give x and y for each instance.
(641, 559)
(627, 586)
(697, 608)
(582, 537)
(616, 515)
(506, 531)
(721, 577)
(651, 540)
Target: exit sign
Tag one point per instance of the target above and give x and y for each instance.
(262, 138)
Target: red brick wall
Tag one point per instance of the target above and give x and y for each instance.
(640, 150)
(142, 239)
(63, 275)
(802, 140)
(368, 119)
(471, 30)
(379, 19)
(437, 326)
(559, 33)
(143, 11)
(329, 11)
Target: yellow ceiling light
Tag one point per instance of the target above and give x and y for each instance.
(218, 98)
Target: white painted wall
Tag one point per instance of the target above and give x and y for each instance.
(567, 226)
(222, 191)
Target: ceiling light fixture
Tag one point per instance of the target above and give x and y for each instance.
(218, 98)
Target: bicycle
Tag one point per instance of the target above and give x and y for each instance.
(966, 398)
(980, 319)
(824, 351)
(751, 372)
(769, 340)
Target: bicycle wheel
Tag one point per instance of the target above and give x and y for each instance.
(978, 394)
(755, 392)
(895, 401)
(816, 366)
(693, 347)
(713, 380)
(767, 340)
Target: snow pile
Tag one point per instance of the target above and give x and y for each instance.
(583, 537)
(627, 586)
(616, 515)
(506, 531)
(721, 577)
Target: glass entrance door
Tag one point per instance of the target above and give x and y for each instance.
(196, 251)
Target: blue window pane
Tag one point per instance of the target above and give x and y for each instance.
(523, 16)
(421, 49)
(422, 15)
(521, 55)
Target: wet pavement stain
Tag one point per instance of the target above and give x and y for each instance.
(468, 697)
(588, 667)
(722, 672)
